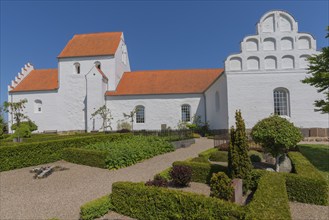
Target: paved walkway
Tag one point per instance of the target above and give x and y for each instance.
(62, 193)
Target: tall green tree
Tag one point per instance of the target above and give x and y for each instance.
(2, 123)
(15, 109)
(319, 71)
(239, 164)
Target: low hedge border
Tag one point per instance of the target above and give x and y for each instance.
(93, 158)
(202, 172)
(148, 202)
(207, 153)
(95, 208)
(307, 185)
(30, 154)
(270, 200)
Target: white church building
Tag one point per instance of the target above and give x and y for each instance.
(93, 70)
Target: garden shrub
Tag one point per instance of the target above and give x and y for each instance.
(276, 135)
(221, 186)
(255, 156)
(181, 175)
(158, 181)
(202, 172)
(148, 203)
(302, 166)
(87, 157)
(30, 124)
(23, 131)
(133, 149)
(219, 156)
(270, 200)
(30, 154)
(95, 208)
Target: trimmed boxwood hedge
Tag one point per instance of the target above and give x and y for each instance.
(201, 172)
(93, 158)
(30, 154)
(95, 208)
(147, 202)
(308, 185)
(270, 200)
(208, 152)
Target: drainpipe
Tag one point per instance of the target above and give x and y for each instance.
(205, 107)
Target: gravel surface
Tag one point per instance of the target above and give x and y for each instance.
(61, 194)
(302, 211)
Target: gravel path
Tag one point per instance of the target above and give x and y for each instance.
(302, 211)
(62, 193)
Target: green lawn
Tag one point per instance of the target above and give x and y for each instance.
(318, 155)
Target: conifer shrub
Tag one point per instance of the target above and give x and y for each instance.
(239, 164)
(158, 181)
(221, 186)
(181, 175)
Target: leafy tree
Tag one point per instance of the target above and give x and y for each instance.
(32, 126)
(22, 131)
(15, 109)
(319, 69)
(239, 164)
(276, 135)
(106, 116)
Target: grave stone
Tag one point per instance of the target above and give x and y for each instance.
(237, 194)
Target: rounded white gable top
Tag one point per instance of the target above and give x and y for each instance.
(277, 21)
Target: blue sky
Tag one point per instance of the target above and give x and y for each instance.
(159, 35)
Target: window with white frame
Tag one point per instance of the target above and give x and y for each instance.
(98, 65)
(186, 113)
(77, 68)
(281, 101)
(37, 106)
(140, 114)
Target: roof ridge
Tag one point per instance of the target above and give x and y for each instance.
(175, 70)
(93, 33)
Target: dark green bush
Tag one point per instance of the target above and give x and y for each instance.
(181, 175)
(221, 186)
(30, 154)
(270, 200)
(255, 156)
(219, 156)
(87, 157)
(142, 202)
(202, 172)
(95, 208)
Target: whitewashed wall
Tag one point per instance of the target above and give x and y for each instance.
(275, 57)
(121, 62)
(159, 109)
(49, 118)
(216, 102)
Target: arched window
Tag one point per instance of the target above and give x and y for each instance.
(77, 68)
(98, 65)
(140, 114)
(217, 101)
(281, 101)
(186, 113)
(37, 106)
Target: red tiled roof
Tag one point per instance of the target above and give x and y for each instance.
(166, 82)
(38, 80)
(95, 44)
